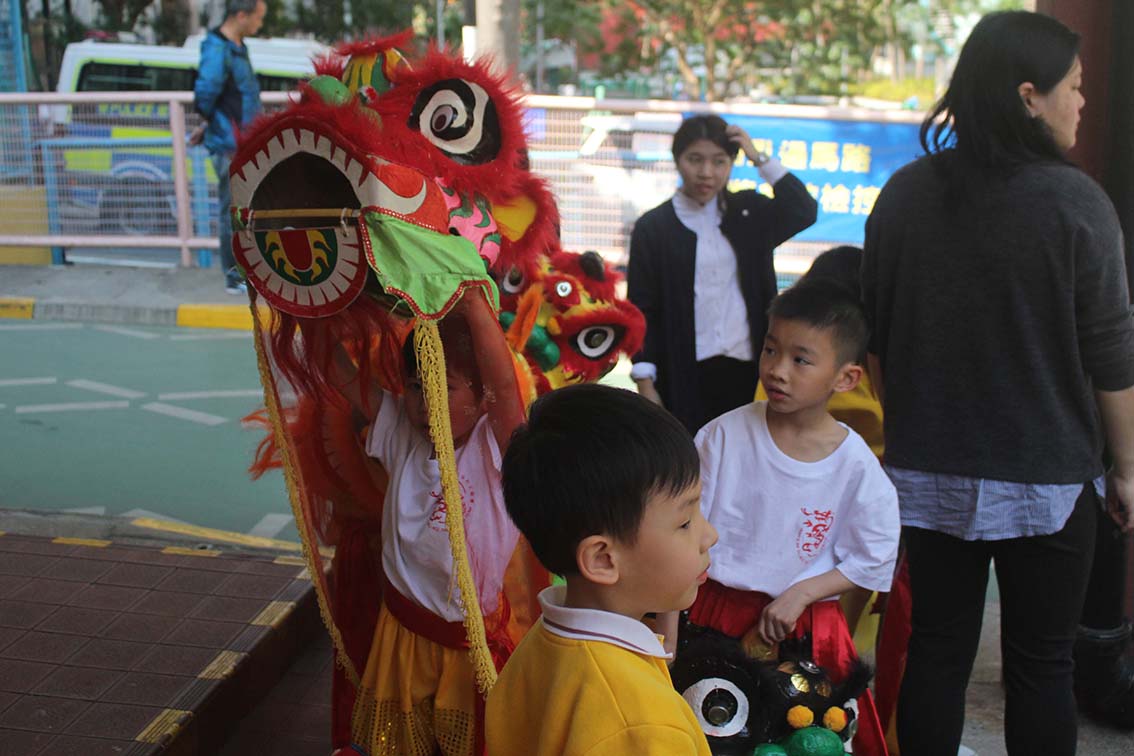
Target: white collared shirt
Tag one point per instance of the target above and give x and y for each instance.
(597, 625)
(720, 316)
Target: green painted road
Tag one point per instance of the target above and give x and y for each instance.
(141, 421)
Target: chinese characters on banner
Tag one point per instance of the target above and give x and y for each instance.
(843, 163)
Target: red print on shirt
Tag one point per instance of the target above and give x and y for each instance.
(438, 517)
(813, 533)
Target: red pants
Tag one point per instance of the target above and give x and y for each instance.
(734, 612)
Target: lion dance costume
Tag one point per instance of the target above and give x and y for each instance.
(362, 213)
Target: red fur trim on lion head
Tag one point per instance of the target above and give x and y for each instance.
(629, 325)
(329, 65)
(541, 236)
(489, 162)
(373, 45)
(572, 264)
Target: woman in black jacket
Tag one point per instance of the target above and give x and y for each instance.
(701, 271)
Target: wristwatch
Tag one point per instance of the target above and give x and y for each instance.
(760, 159)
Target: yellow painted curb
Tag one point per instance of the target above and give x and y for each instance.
(237, 317)
(164, 726)
(183, 551)
(96, 543)
(20, 308)
(222, 666)
(212, 534)
(274, 613)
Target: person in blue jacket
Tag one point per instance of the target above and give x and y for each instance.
(227, 95)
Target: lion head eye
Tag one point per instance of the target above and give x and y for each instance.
(458, 118)
(720, 706)
(595, 342)
(514, 282)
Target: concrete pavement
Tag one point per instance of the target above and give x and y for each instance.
(191, 297)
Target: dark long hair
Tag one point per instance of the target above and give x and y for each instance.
(982, 118)
(711, 127)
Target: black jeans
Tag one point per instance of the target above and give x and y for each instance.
(725, 384)
(1042, 582)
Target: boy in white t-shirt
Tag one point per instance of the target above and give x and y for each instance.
(419, 686)
(803, 509)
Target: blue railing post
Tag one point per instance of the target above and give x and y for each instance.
(200, 203)
(51, 189)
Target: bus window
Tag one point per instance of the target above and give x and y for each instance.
(122, 77)
(269, 83)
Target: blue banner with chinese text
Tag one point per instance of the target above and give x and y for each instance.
(843, 163)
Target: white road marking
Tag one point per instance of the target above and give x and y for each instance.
(181, 413)
(87, 510)
(182, 395)
(270, 525)
(70, 406)
(105, 388)
(42, 327)
(127, 332)
(210, 336)
(135, 513)
(28, 382)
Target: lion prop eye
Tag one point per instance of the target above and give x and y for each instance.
(720, 706)
(514, 282)
(595, 342)
(458, 118)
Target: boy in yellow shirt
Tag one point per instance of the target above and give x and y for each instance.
(605, 486)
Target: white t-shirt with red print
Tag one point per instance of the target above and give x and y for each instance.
(416, 556)
(781, 521)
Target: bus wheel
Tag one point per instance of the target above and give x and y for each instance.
(135, 206)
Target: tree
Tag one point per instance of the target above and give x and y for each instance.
(713, 40)
(122, 15)
(722, 47)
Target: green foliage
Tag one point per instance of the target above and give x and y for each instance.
(897, 91)
(792, 47)
(121, 15)
(171, 23)
(277, 21)
(324, 18)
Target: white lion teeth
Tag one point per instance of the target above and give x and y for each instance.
(353, 171)
(289, 141)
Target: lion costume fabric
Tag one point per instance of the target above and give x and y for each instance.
(362, 214)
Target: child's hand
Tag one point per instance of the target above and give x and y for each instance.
(779, 617)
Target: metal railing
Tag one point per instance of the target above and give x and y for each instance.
(113, 170)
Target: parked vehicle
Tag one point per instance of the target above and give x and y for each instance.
(112, 170)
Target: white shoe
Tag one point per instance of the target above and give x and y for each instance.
(236, 288)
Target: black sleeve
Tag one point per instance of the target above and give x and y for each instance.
(1102, 302)
(791, 210)
(643, 288)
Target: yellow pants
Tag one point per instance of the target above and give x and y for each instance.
(416, 698)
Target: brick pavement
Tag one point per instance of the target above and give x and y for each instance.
(116, 649)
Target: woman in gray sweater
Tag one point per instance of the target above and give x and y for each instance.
(994, 280)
